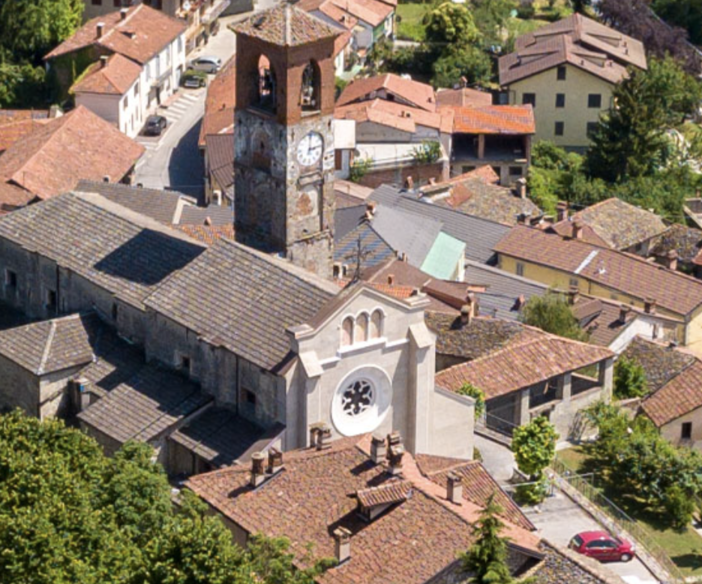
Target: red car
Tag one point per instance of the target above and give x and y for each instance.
(602, 546)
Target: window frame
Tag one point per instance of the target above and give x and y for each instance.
(529, 99)
(559, 129)
(686, 431)
(590, 97)
(561, 73)
(560, 100)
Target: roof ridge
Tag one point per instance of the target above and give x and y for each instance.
(47, 347)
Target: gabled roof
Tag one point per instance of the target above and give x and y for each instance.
(286, 25)
(660, 363)
(465, 96)
(680, 396)
(686, 241)
(419, 94)
(14, 127)
(78, 145)
(601, 319)
(124, 253)
(208, 234)
(12, 198)
(115, 77)
(620, 271)
(140, 34)
(619, 224)
(374, 12)
(219, 104)
(395, 115)
(220, 159)
(535, 358)
(243, 300)
(493, 119)
(374, 249)
(406, 232)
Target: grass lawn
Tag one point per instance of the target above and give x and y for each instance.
(683, 547)
(410, 27)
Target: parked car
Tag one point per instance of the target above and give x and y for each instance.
(194, 79)
(206, 64)
(155, 125)
(602, 546)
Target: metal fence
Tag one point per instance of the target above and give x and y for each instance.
(616, 520)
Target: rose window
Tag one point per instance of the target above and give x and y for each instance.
(357, 397)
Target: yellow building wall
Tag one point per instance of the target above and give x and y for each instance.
(673, 430)
(575, 115)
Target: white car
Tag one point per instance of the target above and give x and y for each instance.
(206, 64)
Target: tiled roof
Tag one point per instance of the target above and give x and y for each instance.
(660, 363)
(493, 119)
(161, 205)
(479, 235)
(219, 103)
(374, 249)
(121, 252)
(115, 77)
(412, 542)
(395, 115)
(12, 198)
(145, 405)
(591, 34)
(464, 96)
(619, 224)
(286, 25)
(687, 241)
(214, 297)
(414, 92)
(12, 131)
(600, 319)
(552, 52)
(565, 229)
(389, 493)
(680, 396)
(9, 116)
(51, 345)
(612, 269)
(535, 358)
(208, 234)
(374, 12)
(222, 437)
(215, 215)
(140, 36)
(220, 159)
(561, 566)
(484, 173)
(471, 341)
(78, 145)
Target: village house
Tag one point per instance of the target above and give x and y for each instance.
(565, 263)
(122, 90)
(57, 154)
(681, 246)
(567, 71)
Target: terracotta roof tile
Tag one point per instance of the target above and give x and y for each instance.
(115, 77)
(493, 119)
(219, 103)
(660, 363)
(464, 96)
(620, 271)
(208, 234)
(561, 566)
(393, 492)
(12, 131)
(78, 145)
(680, 396)
(12, 198)
(374, 12)
(600, 319)
(419, 94)
(395, 115)
(687, 241)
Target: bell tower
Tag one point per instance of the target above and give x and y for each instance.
(284, 146)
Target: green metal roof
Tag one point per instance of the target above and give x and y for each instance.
(443, 257)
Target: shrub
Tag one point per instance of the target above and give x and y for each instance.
(477, 394)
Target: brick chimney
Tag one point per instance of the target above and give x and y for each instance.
(275, 460)
(379, 449)
(103, 60)
(671, 260)
(208, 221)
(650, 306)
(573, 294)
(577, 229)
(409, 183)
(258, 470)
(561, 211)
(523, 218)
(324, 438)
(395, 453)
(454, 488)
(314, 433)
(342, 544)
(123, 13)
(624, 313)
(522, 188)
(100, 29)
(370, 210)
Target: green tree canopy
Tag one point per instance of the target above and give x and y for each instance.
(477, 394)
(69, 514)
(552, 313)
(534, 446)
(629, 379)
(449, 23)
(460, 61)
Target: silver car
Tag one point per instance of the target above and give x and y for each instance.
(206, 64)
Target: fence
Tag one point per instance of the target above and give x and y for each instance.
(616, 520)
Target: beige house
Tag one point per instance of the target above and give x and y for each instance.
(567, 71)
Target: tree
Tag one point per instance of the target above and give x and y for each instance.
(534, 446)
(553, 314)
(683, 13)
(70, 514)
(428, 152)
(629, 379)
(458, 62)
(477, 394)
(487, 557)
(450, 23)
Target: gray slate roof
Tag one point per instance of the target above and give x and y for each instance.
(503, 289)
(346, 219)
(218, 215)
(479, 235)
(407, 232)
(114, 248)
(243, 300)
(375, 250)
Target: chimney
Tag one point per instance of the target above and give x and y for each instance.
(577, 229)
(342, 544)
(100, 29)
(409, 183)
(561, 211)
(671, 260)
(103, 60)
(466, 315)
(432, 181)
(275, 460)
(522, 188)
(403, 257)
(523, 218)
(123, 13)
(624, 313)
(391, 279)
(520, 302)
(395, 453)
(208, 221)
(314, 433)
(379, 449)
(324, 438)
(650, 306)
(106, 179)
(83, 397)
(370, 210)
(454, 488)
(258, 471)
(573, 294)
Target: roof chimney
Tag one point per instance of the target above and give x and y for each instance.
(123, 13)
(379, 449)
(208, 221)
(258, 471)
(650, 306)
(275, 460)
(370, 209)
(103, 60)
(522, 188)
(391, 279)
(106, 179)
(324, 438)
(671, 260)
(464, 81)
(403, 257)
(314, 433)
(523, 218)
(577, 229)
(624, 313)
(573, 294)
(409, 183)
(520, 302)
(342, 544)
(561, 211)
(395, 453)
(454, 488)
(100, 29)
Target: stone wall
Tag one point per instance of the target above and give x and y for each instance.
(398, 176)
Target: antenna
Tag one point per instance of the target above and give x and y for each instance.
(359, 254)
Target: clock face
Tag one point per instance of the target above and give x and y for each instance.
(309, 150)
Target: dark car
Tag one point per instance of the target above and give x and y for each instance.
(155, 125)
(601, 546)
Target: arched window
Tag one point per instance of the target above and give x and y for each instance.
(266, 85)
(347, 332)
(362, 328)
(310, 87)
(376, 325)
